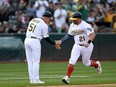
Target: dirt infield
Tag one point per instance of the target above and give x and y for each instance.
(95, 85)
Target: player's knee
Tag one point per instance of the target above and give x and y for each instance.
(36, 60)
(86, 63)
(72, 62)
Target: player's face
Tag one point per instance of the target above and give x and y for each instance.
(78, 21)
(75, 21)
(48, 20)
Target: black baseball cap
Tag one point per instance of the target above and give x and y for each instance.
(48, 14)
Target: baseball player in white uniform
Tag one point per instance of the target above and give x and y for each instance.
(36, 31)
(83, 36)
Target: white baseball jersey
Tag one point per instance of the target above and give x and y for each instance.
(37, 28)
(80, 32)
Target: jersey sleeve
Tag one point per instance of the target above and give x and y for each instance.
(70, 30)
(45, 31)
(89, 29)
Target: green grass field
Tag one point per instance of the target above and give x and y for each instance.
(16, 75)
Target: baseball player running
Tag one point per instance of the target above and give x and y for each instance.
(36, 31)
(83, 36)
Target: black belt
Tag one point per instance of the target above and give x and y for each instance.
(81, 44)
(35, 37)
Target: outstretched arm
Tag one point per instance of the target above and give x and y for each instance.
(52, 42)
(63, 39)
(49, 40)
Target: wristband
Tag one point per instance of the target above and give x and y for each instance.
(89, 41)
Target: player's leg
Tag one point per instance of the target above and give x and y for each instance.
(29, 60)
(86, 55)
(75, 53)
(36, 47)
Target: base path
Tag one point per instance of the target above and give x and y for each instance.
(95, 85)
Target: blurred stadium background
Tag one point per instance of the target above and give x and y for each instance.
(14, 18)
(16, 14)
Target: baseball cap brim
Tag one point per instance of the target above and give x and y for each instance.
(73, 19)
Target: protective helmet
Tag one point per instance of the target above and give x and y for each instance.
(75, 16)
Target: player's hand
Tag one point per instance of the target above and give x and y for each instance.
(58, 42)
(86, 45)
(57, 46)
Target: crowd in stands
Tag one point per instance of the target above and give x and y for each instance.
(16, 14)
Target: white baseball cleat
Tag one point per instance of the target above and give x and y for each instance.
(37, 82)
(31, 81)
(66, 80)
(99, 68)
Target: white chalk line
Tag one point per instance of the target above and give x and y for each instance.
(41, 76)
